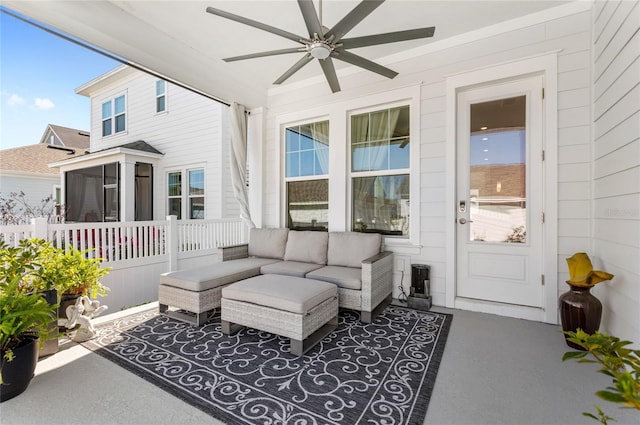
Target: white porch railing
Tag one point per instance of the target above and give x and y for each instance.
(133, 240)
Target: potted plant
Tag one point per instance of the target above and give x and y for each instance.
(579, 309)
(74, 273)
(25, 318)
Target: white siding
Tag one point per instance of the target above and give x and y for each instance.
(570, 35)
(35, 188)
(616, 163)
(192, 132)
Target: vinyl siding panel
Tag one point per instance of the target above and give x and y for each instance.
(570, 36)
(616, 183)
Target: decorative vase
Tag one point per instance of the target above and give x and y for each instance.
(579, 309)
(17, 374)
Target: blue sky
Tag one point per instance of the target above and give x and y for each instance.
(39, 73)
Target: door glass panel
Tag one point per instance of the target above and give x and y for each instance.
(497, 174)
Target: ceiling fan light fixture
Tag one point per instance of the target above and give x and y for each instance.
(319, 50)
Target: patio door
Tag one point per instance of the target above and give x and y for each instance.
(499, 193)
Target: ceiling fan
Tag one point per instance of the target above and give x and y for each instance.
(324, 43)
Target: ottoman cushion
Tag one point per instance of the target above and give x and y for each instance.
(217, 274)
(288, 293)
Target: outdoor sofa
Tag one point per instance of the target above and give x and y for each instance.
(354, 262)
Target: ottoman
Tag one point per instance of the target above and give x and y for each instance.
(304, 310)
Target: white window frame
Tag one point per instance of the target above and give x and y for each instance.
(185, 196)
(157, 96)
(338, 114)
(113, 115)
(303, 178)
(377, 173)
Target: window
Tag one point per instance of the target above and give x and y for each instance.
(306, 176)
(193, 203)
(161, 96)
(114, 116)
(380, 171)
(93, 194)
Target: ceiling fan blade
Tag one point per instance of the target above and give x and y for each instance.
(352, 19)
(356, 60)
(330, 72)
(302, 62)
(256, 24)
(310, 17)
(389, 37)
(263, 54)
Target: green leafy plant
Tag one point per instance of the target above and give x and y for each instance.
(616, 360)
(22, 316)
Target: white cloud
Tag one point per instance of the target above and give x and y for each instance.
(44, 104)
(15, 100)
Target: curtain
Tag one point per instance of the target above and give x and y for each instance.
(320, 135)
(238, 160)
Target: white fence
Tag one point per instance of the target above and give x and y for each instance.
(137, 252)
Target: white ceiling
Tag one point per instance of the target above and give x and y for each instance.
(180, 40)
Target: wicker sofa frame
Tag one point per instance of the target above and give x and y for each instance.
(369, 300)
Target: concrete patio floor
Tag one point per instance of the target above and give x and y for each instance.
(495, 370)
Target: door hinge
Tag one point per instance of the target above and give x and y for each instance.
(543, 92)
(542, 155)
(542, 217)
(542, 279)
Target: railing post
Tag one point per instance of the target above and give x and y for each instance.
(40, 228)
(172, 241)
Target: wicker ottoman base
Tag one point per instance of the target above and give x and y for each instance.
(305, 330)
(189, 306)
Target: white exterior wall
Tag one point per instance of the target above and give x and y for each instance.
(565, 30)
(191, 133)
(35, 188)
(616, 163)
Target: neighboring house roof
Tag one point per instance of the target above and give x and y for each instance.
(68, 137)
(35, 158)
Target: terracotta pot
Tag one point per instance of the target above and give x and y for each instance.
(17, 374)
(579, 309)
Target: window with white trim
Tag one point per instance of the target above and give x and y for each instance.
(161, 96)
(186, 193)
(114, 116)
(380, 171)
(306, 176)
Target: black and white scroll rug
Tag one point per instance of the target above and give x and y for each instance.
(379, 373)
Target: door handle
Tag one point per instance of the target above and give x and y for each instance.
(464, 221)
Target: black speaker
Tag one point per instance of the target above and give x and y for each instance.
(420, 280)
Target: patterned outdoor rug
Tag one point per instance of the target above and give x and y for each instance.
(381, 373)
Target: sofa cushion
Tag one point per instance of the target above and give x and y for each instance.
(289, 268)
(217, 274)
(288, 293)
(307, 247)
(344, 277)
(267, 243)
(348, 249)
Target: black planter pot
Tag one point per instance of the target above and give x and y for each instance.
(66, 300)
(17, 374)
(51, 344)
(579, 309)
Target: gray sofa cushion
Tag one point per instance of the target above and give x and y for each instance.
(289, 268)
(217, 274)
(348, 249)
(267, 243)
(307, 247)
(344, 277)
(287, 293)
